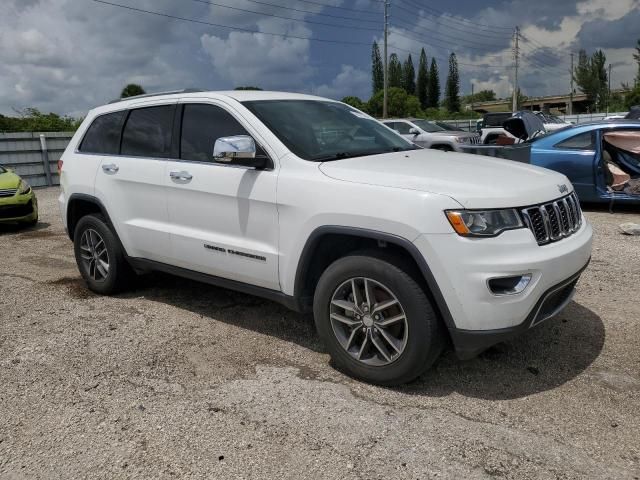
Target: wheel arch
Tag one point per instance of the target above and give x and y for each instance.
(315, 258)
(80, 205)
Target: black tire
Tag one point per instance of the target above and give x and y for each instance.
(119, 274)
(425, 339)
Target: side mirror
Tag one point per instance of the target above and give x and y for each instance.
(414, 131)
(238, 150)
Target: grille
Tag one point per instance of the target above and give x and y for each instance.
(15, 211)
(474, 140)
(554, 221)
(8, 192)
(554, 301)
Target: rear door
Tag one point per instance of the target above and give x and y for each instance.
(224, 218)
(131, 185)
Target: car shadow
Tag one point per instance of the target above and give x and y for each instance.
(265, 316)
(22, 227)
(543, 358)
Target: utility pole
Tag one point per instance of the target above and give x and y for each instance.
(516, 59)
(386, 66)
(472, 102)
(609, 93)
(571, 92)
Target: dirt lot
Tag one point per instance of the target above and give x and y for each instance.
(182, 380)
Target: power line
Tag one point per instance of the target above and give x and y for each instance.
(202, 22)
(459, 20)
(474, 32)
(476, 65)
(446, 46)
(320, 4)
(300, 20)
(314, 13)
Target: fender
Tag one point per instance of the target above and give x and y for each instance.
(314, 238)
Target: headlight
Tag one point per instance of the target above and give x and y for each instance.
(23, 188)
(488, 223)
(462, 139)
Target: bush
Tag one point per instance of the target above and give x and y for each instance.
(355, 102)
(32, 120)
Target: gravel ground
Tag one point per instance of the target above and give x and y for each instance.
(178, 379)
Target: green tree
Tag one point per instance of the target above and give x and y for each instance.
(409, 76)
(636, 57)
(377, 69)
(590, 74)
(248, 87)
(132, 90)
(433, 86)
(632, 98)
(32, 120)
(395, 71)
(355, 102)
(452, 89)
(481, 96)
(423, 79)
(399, 103)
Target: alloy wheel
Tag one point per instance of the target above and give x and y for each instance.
(368, 321)
(94, 254)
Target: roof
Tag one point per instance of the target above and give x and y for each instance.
(238, 95)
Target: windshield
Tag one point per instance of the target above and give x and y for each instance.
(2, 169)
(428, 126)
(446, 126)
(322, 130)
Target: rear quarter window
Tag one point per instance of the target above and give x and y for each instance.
(582, 141)
(103, 135)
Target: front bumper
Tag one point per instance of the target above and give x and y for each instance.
(19, 208)
(462, 266)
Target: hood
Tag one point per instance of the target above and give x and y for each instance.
(9, 180)
(474, 181)
(524, 125)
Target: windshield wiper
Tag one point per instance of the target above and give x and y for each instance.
(343, 155)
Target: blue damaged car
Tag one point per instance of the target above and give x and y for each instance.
(602, 159)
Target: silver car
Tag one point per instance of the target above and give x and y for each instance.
(428, 134)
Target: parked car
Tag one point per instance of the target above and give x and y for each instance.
(18, 202)
(397, 250)
(588, 153)
(491, 127)
(552, 122)
(428, 134)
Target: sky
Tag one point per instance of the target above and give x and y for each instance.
(68, 56)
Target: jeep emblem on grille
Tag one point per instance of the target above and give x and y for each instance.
(563, 188)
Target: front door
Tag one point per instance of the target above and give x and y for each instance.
(223, 218)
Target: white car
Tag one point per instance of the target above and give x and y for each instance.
(428, 134)
(396, 250)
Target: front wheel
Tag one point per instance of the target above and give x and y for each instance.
(376, 321)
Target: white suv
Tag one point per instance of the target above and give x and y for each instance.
(397, 250)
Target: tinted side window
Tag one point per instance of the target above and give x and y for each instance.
(202, 125)
(402, 128)
(103, 135)
(583, 141)
(147, 132)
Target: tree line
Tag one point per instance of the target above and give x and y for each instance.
(411, 92)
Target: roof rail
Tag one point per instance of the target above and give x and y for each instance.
(170, 92)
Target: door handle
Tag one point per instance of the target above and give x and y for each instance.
(181, 176)
(110, 168)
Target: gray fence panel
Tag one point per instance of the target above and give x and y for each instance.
(23, 153)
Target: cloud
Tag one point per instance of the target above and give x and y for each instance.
(350, 81)
(618, 33)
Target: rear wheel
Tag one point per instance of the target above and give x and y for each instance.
(376, 321)
(99, 256)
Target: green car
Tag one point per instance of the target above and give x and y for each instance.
(18, 202)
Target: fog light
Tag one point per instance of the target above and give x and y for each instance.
(509, 285)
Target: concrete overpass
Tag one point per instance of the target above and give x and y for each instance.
(558, 104)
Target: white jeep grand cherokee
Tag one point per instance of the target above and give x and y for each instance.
(397, 250)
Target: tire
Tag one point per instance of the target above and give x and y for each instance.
(419, 337)
(93, 229)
